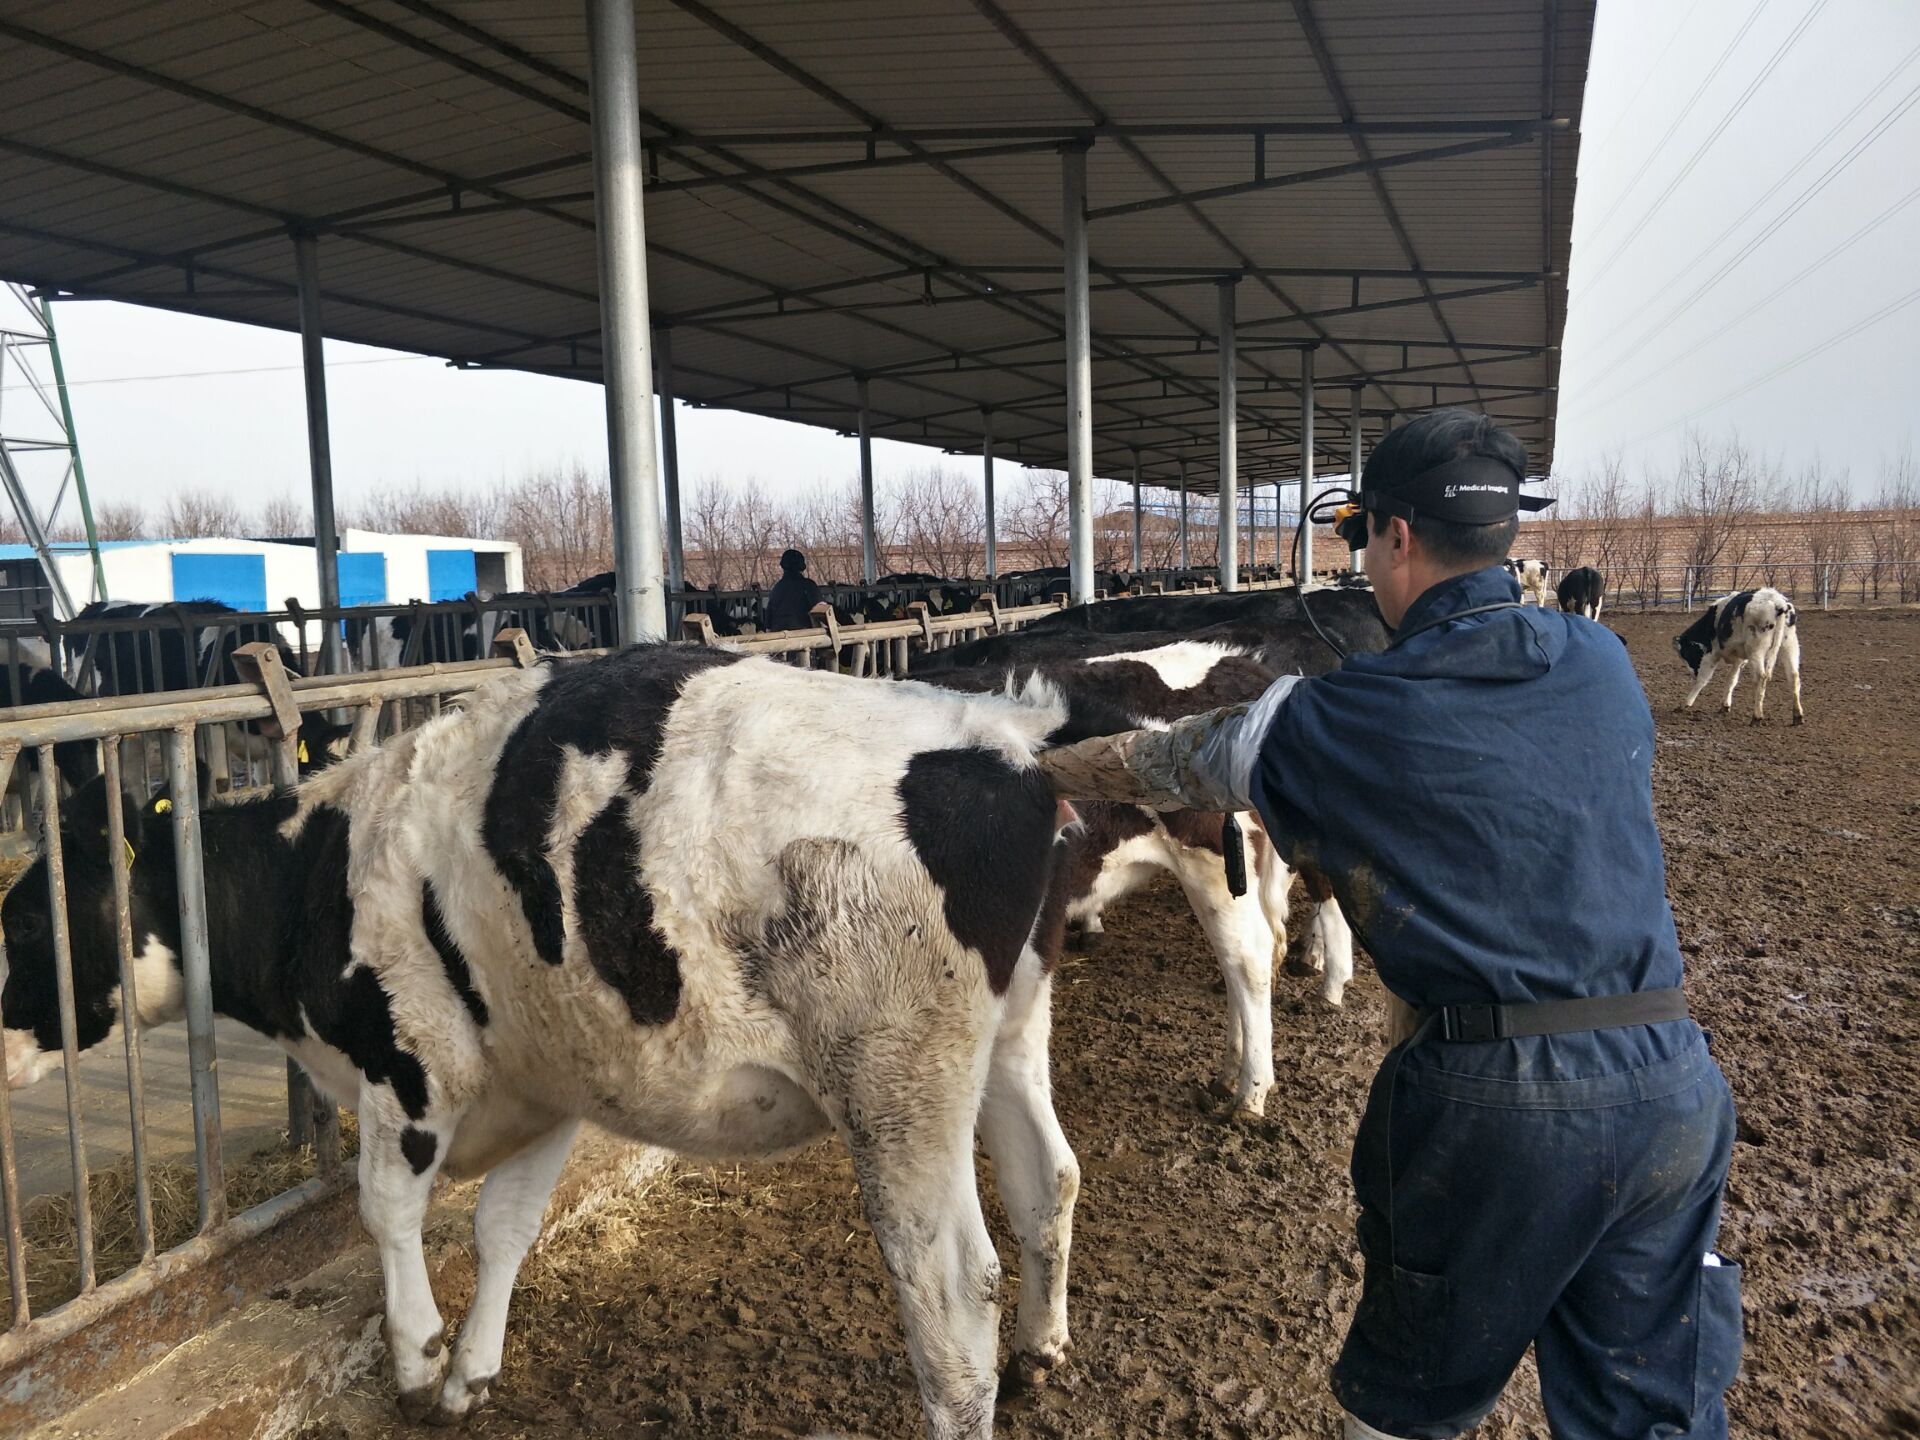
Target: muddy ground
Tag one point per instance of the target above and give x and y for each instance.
(1214, 1269)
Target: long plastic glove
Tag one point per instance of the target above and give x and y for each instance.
(1201, 762)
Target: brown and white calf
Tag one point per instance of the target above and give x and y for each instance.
(1750, 627)
(710, 902)
(1129, 683)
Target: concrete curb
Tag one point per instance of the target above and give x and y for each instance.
(261, 1372)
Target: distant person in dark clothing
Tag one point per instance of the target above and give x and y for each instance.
(790, 603)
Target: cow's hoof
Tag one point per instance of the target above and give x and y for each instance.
(417, 1406)
(1084, 941)
(1798, 718)
(1334, 995)
(1246, 1117)
(1028, 1370)
(453, 1408)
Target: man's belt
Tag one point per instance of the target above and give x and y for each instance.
(1471, 1023)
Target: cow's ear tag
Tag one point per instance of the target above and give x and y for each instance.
(129, 845)
(163, 806)
(303, 753)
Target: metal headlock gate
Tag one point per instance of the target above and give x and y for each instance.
(379, 703)
(274, 702)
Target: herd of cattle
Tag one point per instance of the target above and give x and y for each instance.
(611, 892)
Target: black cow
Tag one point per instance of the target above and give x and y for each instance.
(188, 645)
(28, 680)
(1582, 591)
(1349, 616)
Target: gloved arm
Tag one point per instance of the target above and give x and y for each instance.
(1201, 762)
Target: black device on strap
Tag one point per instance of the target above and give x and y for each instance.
(1471, 1024)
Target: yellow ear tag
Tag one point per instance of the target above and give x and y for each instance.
(303, 753)
(129, 845)
(163, 806)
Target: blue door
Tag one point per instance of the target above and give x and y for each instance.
(236, 580)
(450, 574)
(363, 577)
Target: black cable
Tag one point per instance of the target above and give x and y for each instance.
(1337, 495)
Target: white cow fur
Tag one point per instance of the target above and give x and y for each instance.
(878, 1024)
(1532, 575)
(1763, 636)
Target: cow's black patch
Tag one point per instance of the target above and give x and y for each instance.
(1696, 640)
(984, 831)
(1726, 613)
(615, 915)
(1050, 925)
(617, 703)
(451, 960)
(419, 1146)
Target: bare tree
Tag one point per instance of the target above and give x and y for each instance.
(284, 516)
(563, 523)
(197, 514)
(1821, 509)
(1715, 496)
(1036, 518)
(121, 520)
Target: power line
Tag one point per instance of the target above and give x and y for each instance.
(1646, 78)
(1753, 88)
(1648, 302)
(1685, 110)
(1885, 312)
(1799, 203)
(244, 370)
(1847, 244)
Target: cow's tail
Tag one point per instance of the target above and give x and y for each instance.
(1027, 712)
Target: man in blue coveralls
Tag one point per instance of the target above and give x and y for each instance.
(1542, 1162)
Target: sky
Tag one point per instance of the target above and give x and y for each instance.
(1744, 261)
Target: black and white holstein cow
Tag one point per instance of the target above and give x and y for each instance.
(1533, 576)
(1757, 627)
(1114, 683)
(704, 900)
(1582, 591)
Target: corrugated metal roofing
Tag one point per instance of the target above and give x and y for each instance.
(160, 154)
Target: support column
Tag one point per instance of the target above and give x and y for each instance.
(313, 367)
(1229, 490)
(626, 365)
(986, 455)
(1306, 461)
(869, 541)
(1136, 511)
(1354, 423)
(1185, 561)
(670, 462)
(1073, 234)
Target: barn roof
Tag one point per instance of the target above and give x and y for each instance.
(847, 188)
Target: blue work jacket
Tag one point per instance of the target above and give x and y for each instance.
(1481, 797)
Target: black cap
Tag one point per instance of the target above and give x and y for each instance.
(792, 560)
(1473, 490)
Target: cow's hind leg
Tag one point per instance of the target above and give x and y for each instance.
(1035, 1169)
(1790, 652)
(911, 1104)
(506, 1222)
(399, 1156)
(1337, 941)
(1236, 927)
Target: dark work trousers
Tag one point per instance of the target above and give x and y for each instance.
(1576, 1215)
